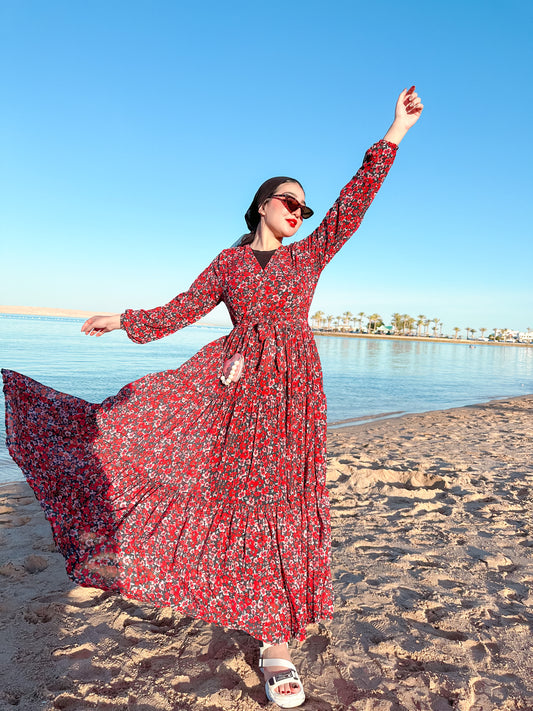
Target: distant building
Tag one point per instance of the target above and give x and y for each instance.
(524, 337)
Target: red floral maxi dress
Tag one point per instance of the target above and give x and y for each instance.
(182, 491)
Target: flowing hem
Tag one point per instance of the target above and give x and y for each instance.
(164, 537)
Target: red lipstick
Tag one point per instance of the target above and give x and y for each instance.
(292, 222)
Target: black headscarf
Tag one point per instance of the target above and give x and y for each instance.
(252, 216)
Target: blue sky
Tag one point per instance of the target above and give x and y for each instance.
(134, 134)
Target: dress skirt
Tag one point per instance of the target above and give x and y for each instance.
(167, 495)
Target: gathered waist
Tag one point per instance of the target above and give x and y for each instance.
(271, 335)
(276, 324)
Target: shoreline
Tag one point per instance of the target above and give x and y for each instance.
(70, 313)
(77, 313)
(427, 339)
(359, 422)
(432, 569)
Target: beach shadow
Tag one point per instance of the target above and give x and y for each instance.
(52, 438)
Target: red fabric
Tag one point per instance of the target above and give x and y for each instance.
(184, 492)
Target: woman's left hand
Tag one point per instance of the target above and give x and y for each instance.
(407, 112)
(408, 108)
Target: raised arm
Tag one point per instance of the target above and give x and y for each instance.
(143, 325)
(406, 113)
(343, 219)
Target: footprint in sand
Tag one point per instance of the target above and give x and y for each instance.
(12, 571)
(67, 702)
(40, 614)
(476, 650)
(11, 696)
(436, 613)
(482, 696)
(451, 584)
(15, 521)
(494, 561)
(45, 545)
(81, 651)
(35, 564)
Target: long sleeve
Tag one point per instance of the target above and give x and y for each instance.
(204, 294)
(343, 219)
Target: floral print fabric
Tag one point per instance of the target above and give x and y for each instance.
(182, 491)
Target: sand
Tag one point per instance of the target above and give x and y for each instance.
(433, 578)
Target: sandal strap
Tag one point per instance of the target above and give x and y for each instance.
(263, 663)
(284, 677)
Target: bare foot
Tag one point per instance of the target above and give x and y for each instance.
(279, 651)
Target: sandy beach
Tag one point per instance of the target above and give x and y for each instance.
(433, 577)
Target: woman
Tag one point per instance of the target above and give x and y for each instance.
(203, 487)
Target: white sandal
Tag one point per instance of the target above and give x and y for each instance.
(290, 676)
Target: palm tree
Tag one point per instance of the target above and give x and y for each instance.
(346, 318)
(329, 319)
(456, 330)
(360, 317)
(472, 331)
(419, 323)
(467, 329)
(405, 322)
(317, 318)
(436, 321)
(426, 324)
(396, 321)
(482, 331)
(375, 321)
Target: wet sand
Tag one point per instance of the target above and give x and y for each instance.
(433, 576)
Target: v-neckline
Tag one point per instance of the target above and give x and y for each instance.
(256, 260)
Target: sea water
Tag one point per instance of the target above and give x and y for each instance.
(363, 377)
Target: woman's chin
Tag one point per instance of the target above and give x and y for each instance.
(290, 233)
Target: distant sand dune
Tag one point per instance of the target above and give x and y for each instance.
(49, 311)
(74, 313)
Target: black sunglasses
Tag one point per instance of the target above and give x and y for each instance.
(292, 204)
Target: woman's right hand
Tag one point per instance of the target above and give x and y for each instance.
(98, 325)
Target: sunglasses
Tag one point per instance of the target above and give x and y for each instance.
(292, 204)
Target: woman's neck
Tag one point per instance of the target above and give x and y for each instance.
(264, 240)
